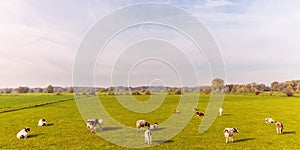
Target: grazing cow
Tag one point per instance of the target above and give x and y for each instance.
(199, 113)
(154, 126)
(92, 123)
(176, 111)
(221, 111)
(23, 133)
(195, 109)
(42, 122)
(279, 127)
(269, 120)
(142, 123)
(228, 132)
(148, 136)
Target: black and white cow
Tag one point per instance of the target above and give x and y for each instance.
(92, 123)
(42, 122)
(23, 133)
(229, 132)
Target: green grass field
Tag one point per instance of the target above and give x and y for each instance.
(67, 130)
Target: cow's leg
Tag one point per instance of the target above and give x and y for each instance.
(280, 130)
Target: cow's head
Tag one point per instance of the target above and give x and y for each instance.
(235, 130)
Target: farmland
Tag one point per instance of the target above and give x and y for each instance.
(67, 130)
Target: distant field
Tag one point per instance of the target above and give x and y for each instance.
(14, 101)
(67, 130)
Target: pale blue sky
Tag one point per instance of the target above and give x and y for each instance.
(259, 39)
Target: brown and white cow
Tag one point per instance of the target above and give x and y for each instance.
(142, 123)
(279, 127)
(229, 132)
(199, 113)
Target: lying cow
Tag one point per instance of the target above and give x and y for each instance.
(42, 122)
(279, 127)
(142, 123)
(228, 132)
(92, 123)
(23, 133)
(154, 126)
(199, 113)
(269, 120)
(176, 111)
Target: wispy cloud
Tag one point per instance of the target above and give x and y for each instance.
(39, 39)
(218, 3)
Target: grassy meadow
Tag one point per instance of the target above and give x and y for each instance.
(67, 129)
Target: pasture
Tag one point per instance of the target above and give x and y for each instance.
(67, 130)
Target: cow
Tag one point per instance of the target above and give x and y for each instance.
(199, 113)
(142, 123)
(92, 123)
(148, 136)
(269, 120)
(221, 111)
(42, 122)
(23, 133)
(228, 132)
(279, 127)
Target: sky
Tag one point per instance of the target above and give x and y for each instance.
(258, 40)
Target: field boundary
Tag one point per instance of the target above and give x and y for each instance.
(36, 105)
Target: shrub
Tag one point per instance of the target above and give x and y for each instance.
(147, 92)
(257, 92)
(206, 90)
(289, 91)
(136, 92)
(177, 92)
(111, 93)
(57, 93)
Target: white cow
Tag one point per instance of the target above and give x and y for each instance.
(42, 122)
(23, 133)
(148, 136)
(269, 120)
(92, 123)
(221, 111)
(228, 132)
(154, 126)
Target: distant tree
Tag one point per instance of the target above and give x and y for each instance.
(101, 90)
(206, 90)
(57, 93)
(7, 90)
(289, 91)
(177, 91)
(275, 86)
(142, 90)
(136, 92)
(91, 92)
(71, 90)
(217, 85)
(49, 89)
(227, 89)
(298, 87)
(22, 89)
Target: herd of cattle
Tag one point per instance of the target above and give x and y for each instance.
(140, 124)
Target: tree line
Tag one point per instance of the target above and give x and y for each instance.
(217, 85)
